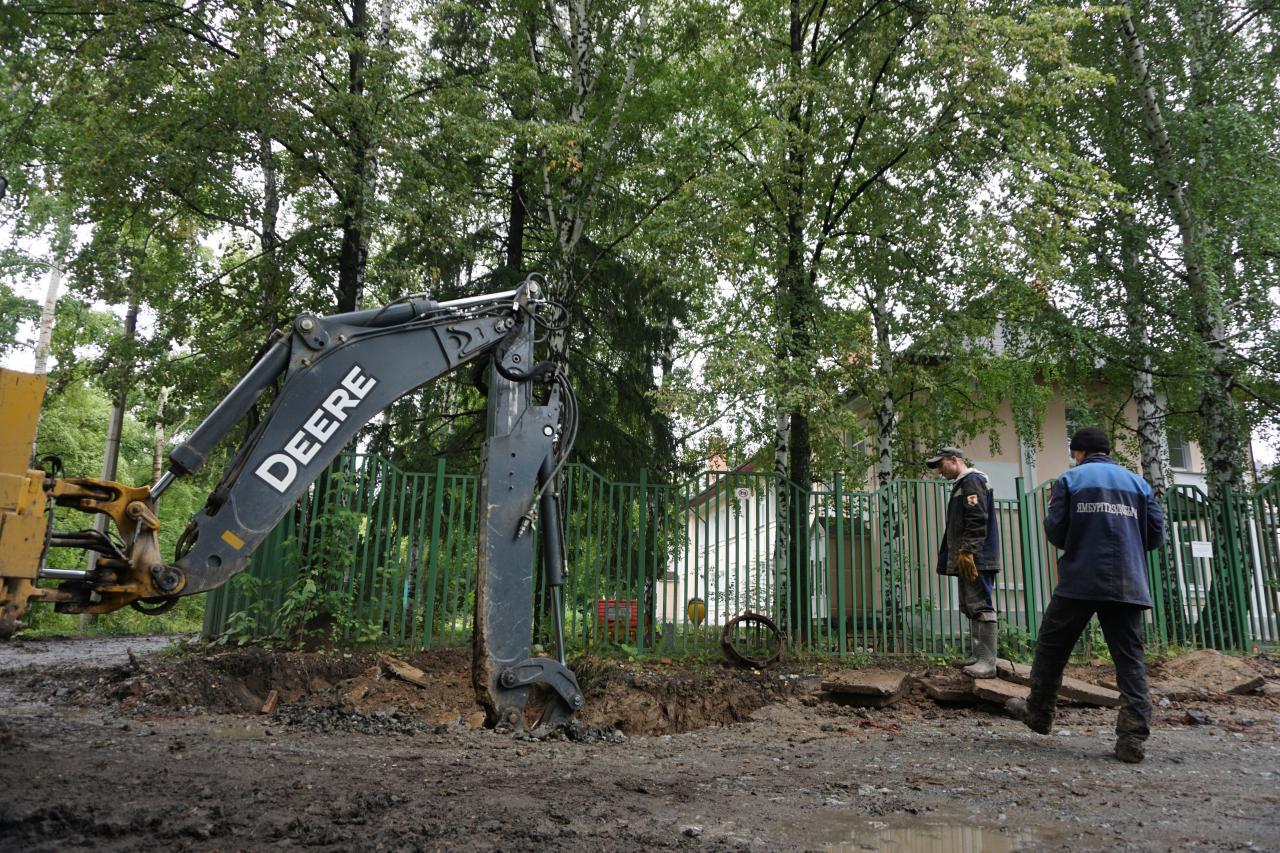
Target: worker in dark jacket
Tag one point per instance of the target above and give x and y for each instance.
(1105, 519)
(971, 551)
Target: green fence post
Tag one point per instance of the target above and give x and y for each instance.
(1158, 577)
(841, 643)
(433, 553)
(1028, 574)
(1237, 571)
(642, 573)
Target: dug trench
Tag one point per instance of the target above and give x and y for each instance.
(174, 751)
(358, 688)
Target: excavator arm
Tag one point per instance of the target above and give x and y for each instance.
(336, 373)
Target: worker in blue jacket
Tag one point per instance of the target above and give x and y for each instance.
(1105, 519)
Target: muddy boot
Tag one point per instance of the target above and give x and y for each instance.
(1131, 735)
(1130, 751)
(1038, 720)
(973, 645)
(984, 646)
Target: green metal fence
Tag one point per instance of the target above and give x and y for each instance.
(662, 567)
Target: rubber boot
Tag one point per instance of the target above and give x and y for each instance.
(1038, 720)
(984, 646)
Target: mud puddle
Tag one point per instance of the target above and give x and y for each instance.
(938, 834)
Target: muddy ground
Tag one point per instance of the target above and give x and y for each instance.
(114, 745)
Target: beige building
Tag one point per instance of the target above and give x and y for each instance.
(1015, 457)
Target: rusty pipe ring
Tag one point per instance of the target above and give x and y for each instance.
(734, 654)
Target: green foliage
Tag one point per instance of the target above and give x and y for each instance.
(1093, 644)
(1014, 643)
(14, 311)
(314, 605)
(186, 618)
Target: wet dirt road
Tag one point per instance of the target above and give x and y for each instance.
(799, 773)
(93, 651)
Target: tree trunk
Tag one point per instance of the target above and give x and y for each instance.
(157, 455)
(568, 210)
(353, 255)
(795, 304)
(1220, 427)
(519, 210)
(782, 517)
(886, 411)
(46, 318)
(1153, 437)
(269, 277)
(111, 449)
(886, 497)
(1220, 434)
(269, 269)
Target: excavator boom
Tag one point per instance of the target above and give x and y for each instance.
(334, 374)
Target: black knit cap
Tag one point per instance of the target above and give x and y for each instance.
(1091, 440)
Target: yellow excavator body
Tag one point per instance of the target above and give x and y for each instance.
(22, 496)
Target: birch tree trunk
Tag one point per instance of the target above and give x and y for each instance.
(45, 337)
(157, 453)
(1219, 417)
(46, 318)
(1220, 438)
(1153, 437)
(886, 417)
(357, 184)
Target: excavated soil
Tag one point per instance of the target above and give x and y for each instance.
(108, 745)
(311, 687)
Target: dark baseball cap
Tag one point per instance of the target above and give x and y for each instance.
(943, 453)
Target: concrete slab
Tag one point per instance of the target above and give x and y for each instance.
(1019, 673)
(1073, 689)
(999, 691)
(874, 688)
(949, 687)
(866, 682)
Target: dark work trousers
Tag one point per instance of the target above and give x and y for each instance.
(977, 598)
(1064, 621)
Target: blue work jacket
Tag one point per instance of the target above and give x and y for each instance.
(1105, 519)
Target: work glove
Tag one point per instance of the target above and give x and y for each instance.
(968, 568)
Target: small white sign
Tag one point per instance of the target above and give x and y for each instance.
(742, 492)
(1201, 550)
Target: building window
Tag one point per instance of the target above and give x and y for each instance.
(1079, 417)
(1179, 452)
